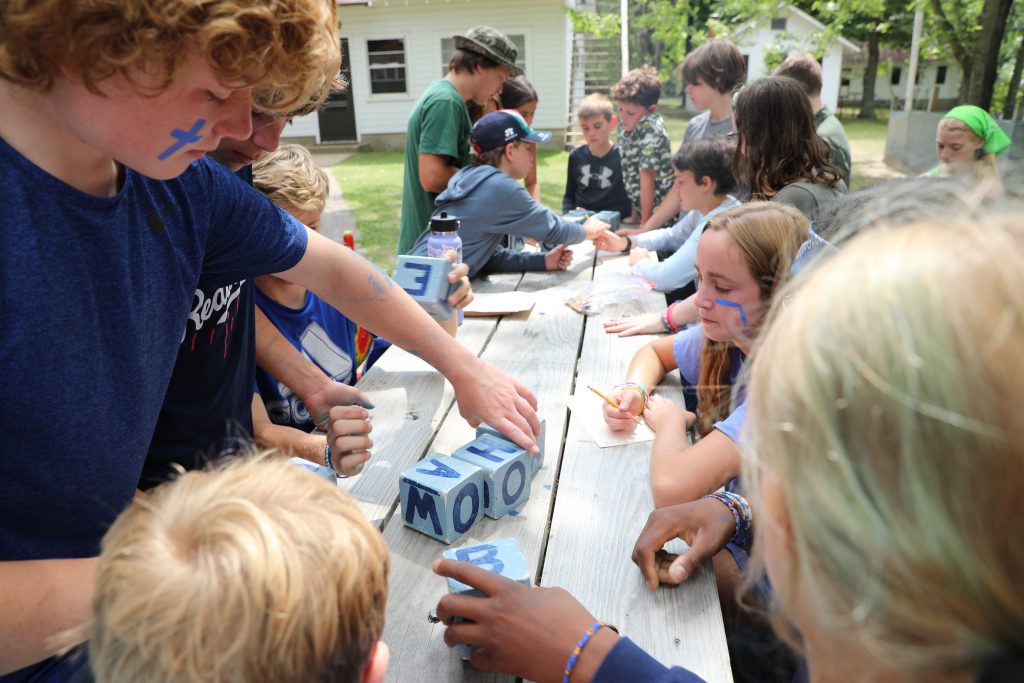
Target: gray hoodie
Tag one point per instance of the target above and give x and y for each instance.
(490, 205)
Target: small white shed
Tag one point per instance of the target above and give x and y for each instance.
(792, 30)
(394, 49)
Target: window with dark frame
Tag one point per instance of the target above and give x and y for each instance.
(897, 75)
(940, 75)
(779, 24)
(387, 65)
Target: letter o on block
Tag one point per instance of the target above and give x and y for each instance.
(463, 522)
(517, 468)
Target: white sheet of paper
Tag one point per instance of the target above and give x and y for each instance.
(587, 408)
(499, 303)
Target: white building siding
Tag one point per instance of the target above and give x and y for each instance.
(926, 90)
(755, 40)
(422, 24)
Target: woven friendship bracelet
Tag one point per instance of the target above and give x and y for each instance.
(741, 515)
(327, 457)
(638, 388)
(571, 664)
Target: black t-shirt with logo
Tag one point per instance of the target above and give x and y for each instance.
(595, 183)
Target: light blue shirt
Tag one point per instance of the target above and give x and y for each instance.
(678, 269)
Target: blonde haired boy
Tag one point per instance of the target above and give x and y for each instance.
(254, 571)
(112, 219)
(594, 180)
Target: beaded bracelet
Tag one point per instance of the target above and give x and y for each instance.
(665, 320)
(327, 456)
(668, 317)
(638, 388)
(571, 664)
(741, 515)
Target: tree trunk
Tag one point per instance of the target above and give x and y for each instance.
(867, 103)
(1011, 93)
(986, 60)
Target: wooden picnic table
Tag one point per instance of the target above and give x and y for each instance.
(587, 504)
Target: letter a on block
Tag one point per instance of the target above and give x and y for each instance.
(440, 470)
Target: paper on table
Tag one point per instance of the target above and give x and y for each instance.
(499, 303)
(587, 407)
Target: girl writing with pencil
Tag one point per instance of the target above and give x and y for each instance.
(744, 255)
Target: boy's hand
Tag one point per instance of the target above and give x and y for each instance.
(705, 524)
(348, 432)
(518, 630)
(648, 323)
(610, 241)
(486, 394)
(618, 420)
(558, 258)
(330, 394)
(593, 227)
(638, 254)
(462, 296)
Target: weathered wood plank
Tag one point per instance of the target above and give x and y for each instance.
(411, 400)
(603, 499)
(539, 349)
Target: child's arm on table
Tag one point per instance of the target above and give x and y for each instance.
(647, 180)
(371, 299)
(665, 212)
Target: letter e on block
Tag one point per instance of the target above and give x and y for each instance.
(506, 468)
(441, 496)
(425, 279)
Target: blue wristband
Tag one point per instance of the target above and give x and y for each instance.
(327, 457)
(571, 664)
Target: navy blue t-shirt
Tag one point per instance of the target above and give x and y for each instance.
(207, 412)
(94, 295)
(596, 183)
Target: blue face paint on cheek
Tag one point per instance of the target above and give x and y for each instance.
(733, 304)
(183, 137)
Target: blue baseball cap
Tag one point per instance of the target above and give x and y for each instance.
(501, 127)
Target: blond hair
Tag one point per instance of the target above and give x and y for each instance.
(768, 236)
(288, 50)
(885, 401)
(291, 179)
(984, 167)
(595, 105)
(254, 571)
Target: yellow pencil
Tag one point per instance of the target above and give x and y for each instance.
(610, 401)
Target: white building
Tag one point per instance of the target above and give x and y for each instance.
(791, 30)
(394, 49)
(937, 87)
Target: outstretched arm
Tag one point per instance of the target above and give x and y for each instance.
(371, 299)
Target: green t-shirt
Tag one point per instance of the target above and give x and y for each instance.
(439, 124)
(831, 131)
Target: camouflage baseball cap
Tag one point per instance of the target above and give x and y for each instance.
(490, 43)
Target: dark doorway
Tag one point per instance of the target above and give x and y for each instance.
(338, 116)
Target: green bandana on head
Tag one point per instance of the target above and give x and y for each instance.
(983, 125)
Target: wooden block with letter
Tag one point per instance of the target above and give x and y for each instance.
(536, 461)
(426, 280)
(507, 469)
(441, 496)
(501, 556)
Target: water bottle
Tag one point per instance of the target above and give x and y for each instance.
(444, 236)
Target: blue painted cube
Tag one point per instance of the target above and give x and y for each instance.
(441, 496)
(426, 280)
(506, 468)
(501, 556)
(318, 470)
(612, 218)
(536, 461)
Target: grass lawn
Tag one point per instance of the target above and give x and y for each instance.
(372, 182)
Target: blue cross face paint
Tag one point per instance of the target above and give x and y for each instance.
(183, 137)
(739, 307)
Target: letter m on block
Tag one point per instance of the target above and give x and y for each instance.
(422, 506)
